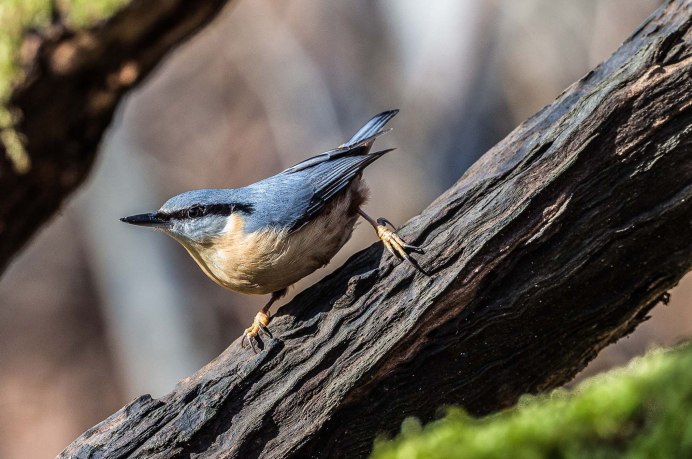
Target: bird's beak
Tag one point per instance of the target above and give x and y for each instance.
(152, 219)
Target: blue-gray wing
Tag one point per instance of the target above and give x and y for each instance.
(295, 196)
(332, 172)
(329, 178)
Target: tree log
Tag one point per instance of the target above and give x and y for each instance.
(63, 106)
(558, 241)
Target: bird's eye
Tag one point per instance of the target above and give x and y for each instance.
(195, 211)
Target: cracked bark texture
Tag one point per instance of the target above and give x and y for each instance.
(557, 242)
(73, 84)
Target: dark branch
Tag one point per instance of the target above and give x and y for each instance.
(556, 243)
(67, 99)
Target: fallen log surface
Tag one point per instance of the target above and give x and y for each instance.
(557, 242)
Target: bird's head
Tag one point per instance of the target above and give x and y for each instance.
(194, 218)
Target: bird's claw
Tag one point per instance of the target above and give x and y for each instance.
(382, 229)
(394, 244)
(258, 325)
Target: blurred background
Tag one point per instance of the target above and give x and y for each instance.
(95, 312)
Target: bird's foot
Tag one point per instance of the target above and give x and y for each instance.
(394, 244)
(259, 324)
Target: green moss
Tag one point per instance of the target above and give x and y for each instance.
(643, 410)
(17, 15)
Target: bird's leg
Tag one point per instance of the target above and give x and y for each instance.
(261, 321)
(394, 244)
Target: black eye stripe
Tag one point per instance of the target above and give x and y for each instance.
(200, 210)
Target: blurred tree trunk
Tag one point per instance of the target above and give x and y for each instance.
(554, 244)
(74, 82)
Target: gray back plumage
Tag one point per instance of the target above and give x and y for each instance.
(310, 185)
(298, 194)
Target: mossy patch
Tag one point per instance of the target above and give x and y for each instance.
(16, 16)
(643, 410)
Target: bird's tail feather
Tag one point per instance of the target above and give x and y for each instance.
(371, 130)
(359, 145)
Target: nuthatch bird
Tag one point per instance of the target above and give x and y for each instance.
(264, 237)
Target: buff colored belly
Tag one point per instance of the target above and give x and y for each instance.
(269, 261)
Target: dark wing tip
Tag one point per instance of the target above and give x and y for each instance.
(381, 152)
(390, 113)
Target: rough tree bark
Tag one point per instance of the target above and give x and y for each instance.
(555, 243)
(74, 81)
